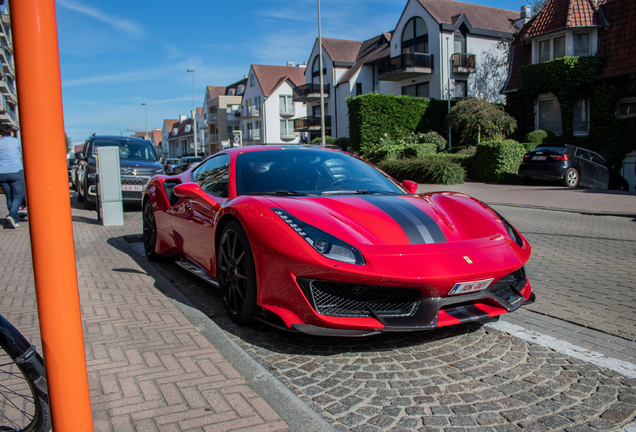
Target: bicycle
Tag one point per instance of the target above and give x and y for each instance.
(24, 399)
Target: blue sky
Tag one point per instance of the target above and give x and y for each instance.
(116, 55)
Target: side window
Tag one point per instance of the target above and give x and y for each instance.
(584, 154)
(213, 175)
(598, 158)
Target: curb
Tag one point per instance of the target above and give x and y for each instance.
(585, 212)
(297, 414)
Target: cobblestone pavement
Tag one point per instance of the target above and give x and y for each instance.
(466, 378)
(471, 377)
(582, 268)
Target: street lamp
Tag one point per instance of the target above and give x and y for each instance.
(146, 109)
(194, 120)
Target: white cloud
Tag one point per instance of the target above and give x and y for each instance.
(128, 26)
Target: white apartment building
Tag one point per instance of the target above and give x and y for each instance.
(439, 49)
(267, 110)
(8, 95)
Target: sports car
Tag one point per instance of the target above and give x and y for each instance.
(323, 242)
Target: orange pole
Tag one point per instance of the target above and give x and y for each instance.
(34, 29)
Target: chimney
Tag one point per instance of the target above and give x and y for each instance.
(182, 117)
(526, 12)
(291, 64)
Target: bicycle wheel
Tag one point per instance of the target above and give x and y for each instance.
(24, 402)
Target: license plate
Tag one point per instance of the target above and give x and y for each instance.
(539, 157)
(132, 188)
(466, 287)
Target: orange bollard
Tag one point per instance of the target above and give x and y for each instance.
(34, 29)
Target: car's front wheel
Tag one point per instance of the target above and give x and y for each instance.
(236, 274)
(150, 231)
(571, 178)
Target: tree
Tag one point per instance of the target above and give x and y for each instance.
(68, 143)
(490, 76)
(477, 116)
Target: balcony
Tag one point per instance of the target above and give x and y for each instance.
(306, 124)
(287, 135)
(254, 134)
(287, 111)
(310, 92)
(213, 118)
(463, 63)
(405, 66)
(254, 111)
(214, 138)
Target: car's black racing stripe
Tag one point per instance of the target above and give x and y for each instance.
(418, 226)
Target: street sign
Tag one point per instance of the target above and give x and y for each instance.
(237, 138)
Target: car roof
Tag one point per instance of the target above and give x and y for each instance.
(244, 149)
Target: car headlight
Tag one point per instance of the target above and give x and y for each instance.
(92, 175)
(324, 243)
(512, 232)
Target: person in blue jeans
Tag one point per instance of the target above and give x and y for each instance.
(11, 173)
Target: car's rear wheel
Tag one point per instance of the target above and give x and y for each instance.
(150, 232)
(236, 274)
(571, 178)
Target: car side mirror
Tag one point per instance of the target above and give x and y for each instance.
(189, 190)
(410, 186)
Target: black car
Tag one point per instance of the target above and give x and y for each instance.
(138, 163)
(573, 166)
(169, 165)
(70, 164)
(185, 163)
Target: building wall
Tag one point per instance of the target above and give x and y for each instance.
(8, 95)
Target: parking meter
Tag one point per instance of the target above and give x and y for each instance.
(109, 202)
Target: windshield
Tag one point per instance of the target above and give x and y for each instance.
(308, 172)
(128, 149)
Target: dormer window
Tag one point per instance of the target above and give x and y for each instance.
(231, 92)
(174, 131)
(240, 89)
(581, 44)
(550, 49)
(188, 128)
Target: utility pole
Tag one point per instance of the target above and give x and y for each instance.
(194, 118)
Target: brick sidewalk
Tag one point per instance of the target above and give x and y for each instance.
(149, 368)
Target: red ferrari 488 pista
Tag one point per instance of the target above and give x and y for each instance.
(322, 242)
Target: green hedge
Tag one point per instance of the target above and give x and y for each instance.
(328, 140)
(373, 115)
(496, 161)
(399, 151)
(432, 170)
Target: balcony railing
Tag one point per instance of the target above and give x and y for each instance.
(309, 92)
(464, 63)
(288, 135)
(254, 134)
(405, 66)
(305, 124)
(287, 111)
(214, 138)
(213, 118)
(254, 111)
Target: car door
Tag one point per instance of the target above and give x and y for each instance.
(193, 220)
(587, 170)
(600, 170)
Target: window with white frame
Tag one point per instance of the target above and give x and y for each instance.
(286, 104)
(582, 44)
(549, 114)
(581, 120)
(286, 128)
(188, 128)
(252, 80)
(551, 48)
(626, 107)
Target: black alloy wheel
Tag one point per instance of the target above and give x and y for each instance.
(150, 232)
(236, 274)
(571, 178)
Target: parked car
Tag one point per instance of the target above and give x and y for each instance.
(70, 164)
(137, 159)
(169, 164)
(185, 163)
(322, 242)
(573, 166)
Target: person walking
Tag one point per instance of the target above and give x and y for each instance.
(11, 173)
